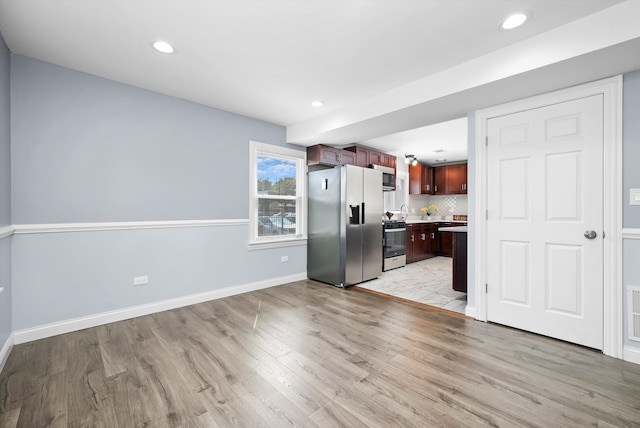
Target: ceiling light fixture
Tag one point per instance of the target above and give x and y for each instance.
(410, 159)
(317, 103)
(514, 21)
(163, 47)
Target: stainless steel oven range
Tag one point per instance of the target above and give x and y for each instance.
(394, 244)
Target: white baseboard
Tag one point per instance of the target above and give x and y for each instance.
(4, 352)
(631, 355)
(54, 329)
(470, 311)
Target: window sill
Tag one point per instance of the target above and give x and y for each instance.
(294, 242)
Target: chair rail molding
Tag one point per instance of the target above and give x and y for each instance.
(6, 231)
(629, 233)
(20, 229)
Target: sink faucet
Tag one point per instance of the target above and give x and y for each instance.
(402, 216)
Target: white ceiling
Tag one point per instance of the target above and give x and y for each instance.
(443, 142)
(380, 66)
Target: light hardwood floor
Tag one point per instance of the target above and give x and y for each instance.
(307, 354)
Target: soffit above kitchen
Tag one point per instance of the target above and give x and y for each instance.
(441, 143)
(380, 67)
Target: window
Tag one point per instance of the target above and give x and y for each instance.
(278, 195)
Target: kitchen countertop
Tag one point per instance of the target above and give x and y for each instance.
(434, 221)
(462, 229)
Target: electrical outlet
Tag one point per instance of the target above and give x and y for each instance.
(284, 259)
(634, 196)
(140, 280)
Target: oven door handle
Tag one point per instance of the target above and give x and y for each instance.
(394, 230)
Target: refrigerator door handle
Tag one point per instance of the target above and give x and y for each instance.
(362, 213)
(354, 214)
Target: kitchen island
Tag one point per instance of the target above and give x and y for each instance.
(459, 256)
(424, 239)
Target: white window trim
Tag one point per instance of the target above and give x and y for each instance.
(300, 157)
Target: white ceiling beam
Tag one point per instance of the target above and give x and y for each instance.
(595, 46)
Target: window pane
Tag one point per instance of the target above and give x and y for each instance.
(276, 217)
(276, 176)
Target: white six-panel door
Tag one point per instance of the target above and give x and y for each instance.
(545, 190)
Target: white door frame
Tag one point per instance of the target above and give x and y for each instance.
(611, 89)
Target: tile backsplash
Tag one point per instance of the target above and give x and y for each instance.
(447, 204)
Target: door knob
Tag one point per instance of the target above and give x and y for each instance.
(590, 234)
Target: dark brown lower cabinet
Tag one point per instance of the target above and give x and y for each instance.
(420, 242)
(408, 251)
(445, 243)
(424, 241)
(444, 246)
(459, 261)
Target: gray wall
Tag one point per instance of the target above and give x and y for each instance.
(631, 179)
(5, 137)
(61, 276)
(5, 195)
(631, 147)
(86, 149)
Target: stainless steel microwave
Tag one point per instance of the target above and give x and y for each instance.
(388, 177)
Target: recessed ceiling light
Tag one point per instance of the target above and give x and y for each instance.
(515, 20)
(317, 103)
(163, 47)
(439, 151)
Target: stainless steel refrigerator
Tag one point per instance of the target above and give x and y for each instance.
(345, 225)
